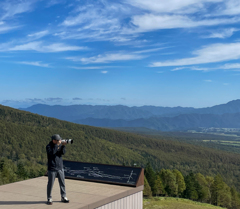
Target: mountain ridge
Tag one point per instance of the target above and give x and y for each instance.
(153, 117)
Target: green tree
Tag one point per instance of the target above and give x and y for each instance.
(209, 180)
(221, 193)
(147, 189)
(205, 191)
(151, 177)
(42, 172)
(181, 186)
(169, 182)
(235, 199)
(7, 174)
(159, 186)
(21, 171)
(193, 188)
(32, 173)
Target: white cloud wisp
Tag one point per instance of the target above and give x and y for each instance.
(37, 63)
(106, 58)
(40, 47)
(209, 54)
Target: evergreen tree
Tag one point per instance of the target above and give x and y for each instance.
(7, 174)
(235, 199)
(32, 173)
(21, 171)
(42, 172)
(147, 189)
(151, 177)
(159, 186)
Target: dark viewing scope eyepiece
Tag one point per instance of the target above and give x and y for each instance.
(68, 141)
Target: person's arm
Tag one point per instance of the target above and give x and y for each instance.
(52, 151)
(62, 150)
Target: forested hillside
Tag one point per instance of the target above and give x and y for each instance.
(24, 136)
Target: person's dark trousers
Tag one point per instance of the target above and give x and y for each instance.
(51, 178)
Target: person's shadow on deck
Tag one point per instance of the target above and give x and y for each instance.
(22, 202)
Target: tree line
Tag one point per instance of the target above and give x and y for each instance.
(196, 187)
(21, 169)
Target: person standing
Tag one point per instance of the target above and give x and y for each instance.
(55, 150)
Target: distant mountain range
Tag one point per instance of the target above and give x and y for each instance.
(178, 123)
(159, 118)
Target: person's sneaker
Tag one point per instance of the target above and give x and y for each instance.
(65, 200)
(49, 202)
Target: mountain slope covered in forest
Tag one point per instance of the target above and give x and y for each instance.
(25, 135)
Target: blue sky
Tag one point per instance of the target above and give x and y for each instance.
(129, 52)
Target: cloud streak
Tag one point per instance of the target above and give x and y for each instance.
(15, 7)
(40, 46)
(225, 33)
(151, 22)
(37, 63)
(91, 67)
(39, 34)
(106, 58)
(171, 6)
(209, 54)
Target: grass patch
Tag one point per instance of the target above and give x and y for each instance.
(174, 203)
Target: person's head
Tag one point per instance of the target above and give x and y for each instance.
(56, 138)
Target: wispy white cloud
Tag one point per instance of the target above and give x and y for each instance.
(209, 81)
(15, 7)
(9, 10)
(178, 68)
(38, 35)
(151, 22)
(37, 63)
(229, 7)
(55, 2)
(105, 58)
(91, 67)
(101, 20)
(5, 28)
(171, 6)
(40, 47)
(194, 68)
(225, 33)
(201, 69)
(230, 66)
(150, 50)
(208, 54)
(124, 21)
(104, 72)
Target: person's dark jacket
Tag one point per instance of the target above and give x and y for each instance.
(54, 154)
